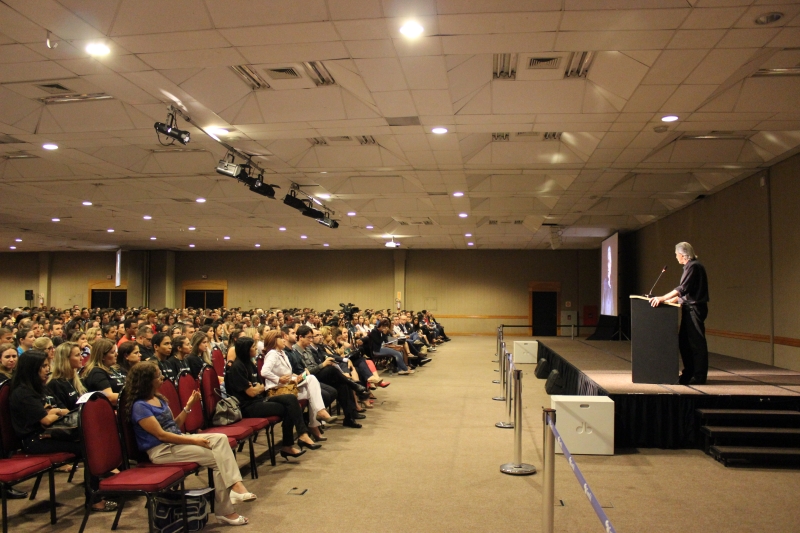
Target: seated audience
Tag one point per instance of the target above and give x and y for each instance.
(128, 354)
(99, 373)
(65, 384)
(8, 361)
(162, 345)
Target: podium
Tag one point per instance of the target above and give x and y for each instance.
(654, 342)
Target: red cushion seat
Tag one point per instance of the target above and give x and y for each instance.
(153, 479)
(18, 468)
(257, 424)
(232, 430)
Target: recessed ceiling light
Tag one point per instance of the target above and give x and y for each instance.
(87, 203)
(50, 146)
(411, 29)
(18, 240)
(303, 237)
(370, 227)
(13, 247)
(324, 196)
(669, 118)
(147, 217)
(326, 245)
(351, 213)
(281, 229)
(769, 18)
(191, 246)
(218, 131)
(468, 235)
(258, 246)
(439, 130)
(470, 244)
(227, 238)
(458, 194)
(152, 238)
(110, 230)
(323, 172)
(201, 200)
(97, 49)
(463, 215)
(191, 228)
(56, 220)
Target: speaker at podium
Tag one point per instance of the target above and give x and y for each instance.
(654, 342)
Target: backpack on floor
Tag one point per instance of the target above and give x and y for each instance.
(167, 515)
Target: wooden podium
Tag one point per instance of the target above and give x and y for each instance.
(654, 342)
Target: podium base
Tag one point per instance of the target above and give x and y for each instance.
(521, 469)
(505, 425)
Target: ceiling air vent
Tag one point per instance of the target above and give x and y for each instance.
(578, 64)
(287, 73)
(715, 135)
(55, 88)
(504, 221)
(250, 77)
(19, 155)
(552, 135)
(317, 72)
(528, 134)
(318, 141)
(8, 139)
(414, 221)
(338, 139)
(496, 137)
(504, 66)
(74, 98)
(403, 121)
(366, 139)
(543, 62)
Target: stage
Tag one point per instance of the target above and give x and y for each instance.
(663, 416)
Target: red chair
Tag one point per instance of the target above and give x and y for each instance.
(195, 421)
(11, 445)
(209, 391)
(169, 391)
(259, 366)
(218, 359)
(102, 453)
(20, 468)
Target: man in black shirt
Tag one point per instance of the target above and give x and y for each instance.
(162, 344)
(144, 338)
(692, 294)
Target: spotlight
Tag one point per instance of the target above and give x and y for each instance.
(229, 168)
(310, 212)
(263, 189)
(181, 136)
(293, 201)
(325, 221)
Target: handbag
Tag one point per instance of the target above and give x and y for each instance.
(288, 388)
(65, 428)
(226, 412)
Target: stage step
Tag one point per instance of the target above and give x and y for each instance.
(754, 453)
(713, 431)
(749, 417)
(712, 413)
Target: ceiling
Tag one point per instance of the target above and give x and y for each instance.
(613, 164)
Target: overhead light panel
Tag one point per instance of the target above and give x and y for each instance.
(766, 72)
(318, 73)
(73, 98)
(504, 66)
(250, 77)
(411, 29)
(97, 49)
(578, 65)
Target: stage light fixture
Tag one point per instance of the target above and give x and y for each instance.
(264, 189)
(227, 168)
(293, 201)
(182, 136)
(310, 212)
(326, 221)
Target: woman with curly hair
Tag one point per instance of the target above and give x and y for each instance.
(158, 435)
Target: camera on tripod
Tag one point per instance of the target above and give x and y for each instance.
(348, 310)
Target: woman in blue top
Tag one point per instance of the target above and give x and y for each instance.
(157, 434)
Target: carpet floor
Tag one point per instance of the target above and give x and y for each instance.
(428, 458)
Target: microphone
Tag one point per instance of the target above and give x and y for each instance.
(650, 294)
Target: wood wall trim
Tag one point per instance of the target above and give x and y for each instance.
(512, 317)
(755, 337)
(787, 341)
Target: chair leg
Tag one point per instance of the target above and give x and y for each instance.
(253, 465)
(51, 475)
(211, 484)
(271, 444)
(149, 513)
(120, 506)
(36, 486)
(241, 447)
(4, 490)
(86, 512)
(72, 472)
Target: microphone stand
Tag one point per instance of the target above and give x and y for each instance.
(650, 294)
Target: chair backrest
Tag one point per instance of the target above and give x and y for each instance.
(170, 392)
(8, 438)
(102, 450)
(209, 390)
(130, 450)
(259, 365)
(186, 385)
(218, 360)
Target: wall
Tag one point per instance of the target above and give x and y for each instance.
(748, 238)
(71, 272)
(20, 271)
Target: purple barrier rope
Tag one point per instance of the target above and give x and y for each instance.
(582, 481)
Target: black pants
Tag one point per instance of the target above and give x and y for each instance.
(35, 445)
(328, 394)
(692, 341)
(285, 406)
(329, 375)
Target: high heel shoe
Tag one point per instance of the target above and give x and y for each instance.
(328, 420)
(312, 446)
(286, 455)
(319, 439)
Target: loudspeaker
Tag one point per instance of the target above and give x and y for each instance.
(555, 383)
(542, 369)
(28, 294)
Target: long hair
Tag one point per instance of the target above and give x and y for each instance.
(3, 348)
(27, 373)
(271, 339)
(42, 343)
(197, 340)
(242, 349)
(21, 334)
(62, 369)
(177, 342)
(99, 349)
(123, 351)
(139, 385)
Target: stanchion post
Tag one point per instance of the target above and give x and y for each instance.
(517, 468)
(503, 375)
(549, 460)
(509, 423)
(572, 333)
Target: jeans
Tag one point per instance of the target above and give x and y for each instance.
(401, 365)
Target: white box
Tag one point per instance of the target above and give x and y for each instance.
(526, 352)
(586, 424)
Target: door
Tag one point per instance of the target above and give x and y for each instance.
(544, 310)
(109, 298)
(205, 299)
